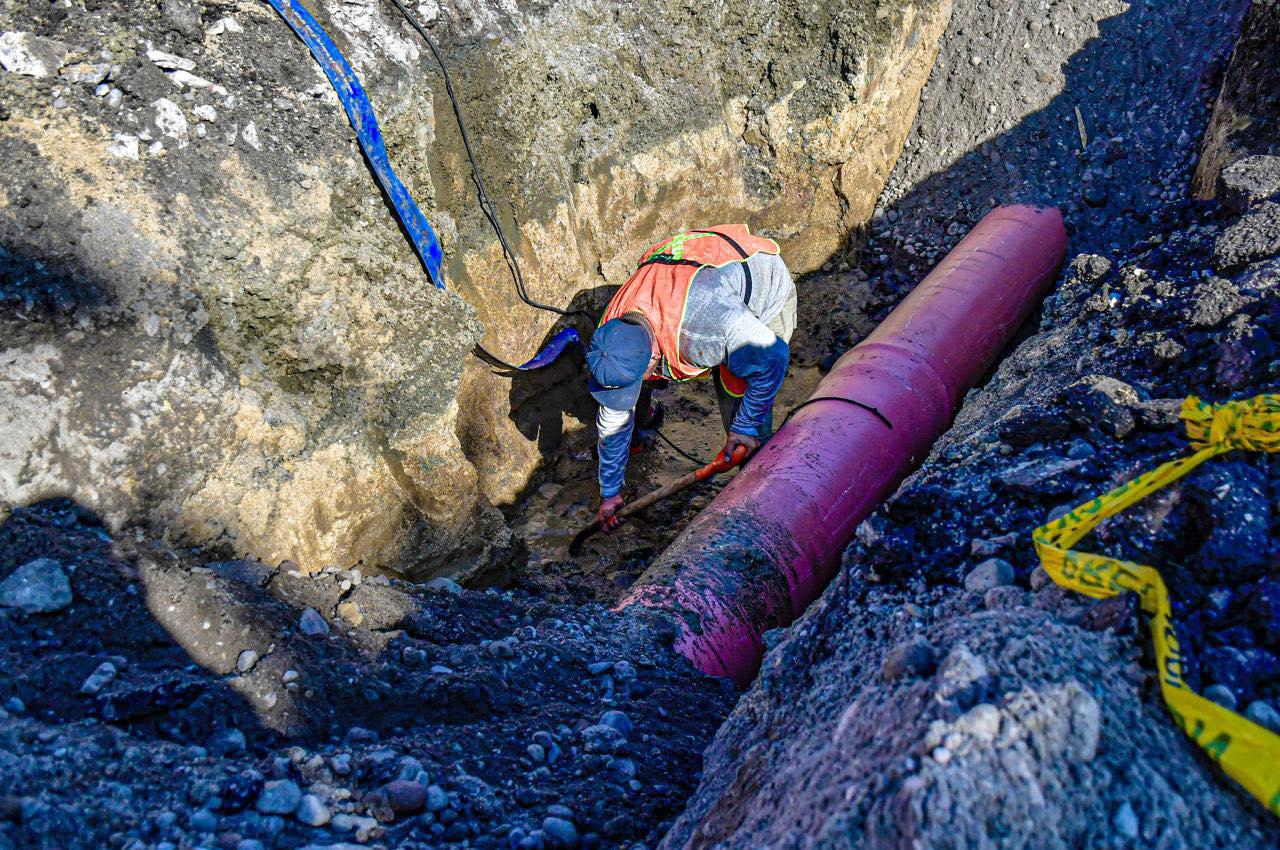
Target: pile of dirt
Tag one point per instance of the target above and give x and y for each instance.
(943, 692)
(415, 717)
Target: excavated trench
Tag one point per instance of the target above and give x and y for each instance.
(941, 693)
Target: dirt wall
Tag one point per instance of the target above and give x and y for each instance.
(213, 326)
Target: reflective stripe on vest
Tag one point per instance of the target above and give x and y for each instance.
(659, 288)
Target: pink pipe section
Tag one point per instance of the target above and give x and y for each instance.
(771, 541)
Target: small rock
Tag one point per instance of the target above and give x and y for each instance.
(170, 121)
(279, 797)
(623, 770)
(437, 798)
(311, 623)
(599, 667)
(226, 742)
(361, 735)
(203, 821)
(290, 676)
(1079, 450)
(960, 673)
(250, 136)
(941, 755)
(975, 60)
(444, 585)
(1118, 613)
(1125, 820)
(1040, 578)
(170, 61)
(87, 73)
(1254, 237)
(37, 587)
(410, 768)
(618, 720)
(250, 844)
(125, 146)
(1104, 402)
(99, 678)
(31, 55)
(1095, 193)
(1222, 695)
(537, 754)
(224, 25)
(1264, 715)
(1090, 268)
(911, 658)
(312, 811)
(1038, 477)
(603, 739)
(350, 612)
(405, 796)
(246, 661)
(560, 832)
(993, 572)
(987, 548)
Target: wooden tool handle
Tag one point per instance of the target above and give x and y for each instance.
(702, 474)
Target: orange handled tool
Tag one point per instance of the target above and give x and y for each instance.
(683, 482)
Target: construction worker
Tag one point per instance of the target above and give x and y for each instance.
(716, 298)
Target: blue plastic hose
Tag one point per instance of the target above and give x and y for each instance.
(356, 103)
(360, 112)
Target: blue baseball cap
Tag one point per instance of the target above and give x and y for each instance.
(619, 362)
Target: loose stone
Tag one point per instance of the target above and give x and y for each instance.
(279, 797)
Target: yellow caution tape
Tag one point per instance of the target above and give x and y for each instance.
(1246, 751)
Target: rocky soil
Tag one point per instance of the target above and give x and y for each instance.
(155, 700)
(943, 692)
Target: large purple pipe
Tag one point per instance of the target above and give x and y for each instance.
(770, 542)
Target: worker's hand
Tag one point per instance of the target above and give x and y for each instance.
(609, 520)
(734, 440)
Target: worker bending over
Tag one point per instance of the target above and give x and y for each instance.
(717, 298)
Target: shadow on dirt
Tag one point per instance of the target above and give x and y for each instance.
(229, 674)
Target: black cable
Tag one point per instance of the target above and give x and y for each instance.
(679, 450)
(874, 411)
(492, 359)
(486, 205)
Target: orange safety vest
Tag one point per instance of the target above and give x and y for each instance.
(659, 288)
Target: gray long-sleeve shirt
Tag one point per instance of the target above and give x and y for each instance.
(719, 327)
